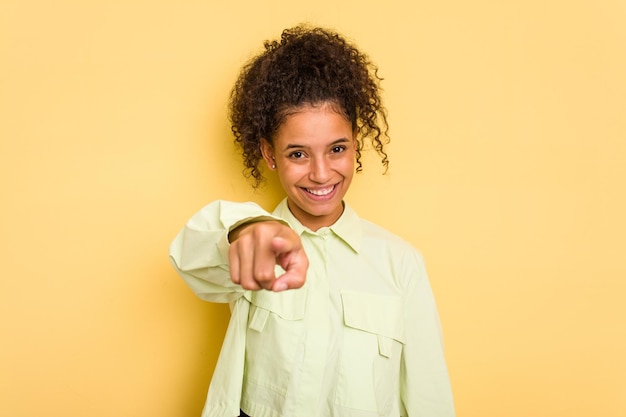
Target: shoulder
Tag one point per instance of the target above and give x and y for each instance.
(403, 262)
(378, 237)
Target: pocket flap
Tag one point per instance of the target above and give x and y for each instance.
(288, 305)
(374, 313)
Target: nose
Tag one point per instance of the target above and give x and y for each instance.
(320, 170)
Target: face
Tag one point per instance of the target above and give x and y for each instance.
(314, 152)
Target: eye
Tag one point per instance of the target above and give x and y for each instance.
(296, 155)
(338, 149)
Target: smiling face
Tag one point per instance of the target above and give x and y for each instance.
(314, 152)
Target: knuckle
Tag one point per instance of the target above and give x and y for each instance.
(263, 276)
(249, 285)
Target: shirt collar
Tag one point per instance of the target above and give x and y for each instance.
(348, 227)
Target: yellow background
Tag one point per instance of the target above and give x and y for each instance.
(508, 171)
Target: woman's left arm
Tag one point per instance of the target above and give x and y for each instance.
(424, 385)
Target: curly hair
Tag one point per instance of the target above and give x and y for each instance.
(307, 66)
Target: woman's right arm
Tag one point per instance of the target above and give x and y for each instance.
(227, 248)
(199, 252)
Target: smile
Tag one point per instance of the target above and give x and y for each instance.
(320, 191)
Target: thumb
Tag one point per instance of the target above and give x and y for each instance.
(290, 280)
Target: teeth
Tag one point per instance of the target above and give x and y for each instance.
(323, 191)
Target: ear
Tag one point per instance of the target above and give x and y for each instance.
(267, 150)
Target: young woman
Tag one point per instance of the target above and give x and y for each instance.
(331, 314)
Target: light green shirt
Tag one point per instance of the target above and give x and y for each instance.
(361, 338)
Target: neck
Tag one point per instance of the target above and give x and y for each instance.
(313, 222)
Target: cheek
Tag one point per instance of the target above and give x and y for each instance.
(350, 162)
(290, 173)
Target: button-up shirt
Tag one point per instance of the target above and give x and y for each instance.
(361, 338)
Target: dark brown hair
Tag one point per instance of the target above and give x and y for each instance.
(307, 66)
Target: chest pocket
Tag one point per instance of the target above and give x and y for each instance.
(369, 374)
(287, 305)
(274, 343)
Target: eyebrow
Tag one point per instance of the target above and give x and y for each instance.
(335, 142)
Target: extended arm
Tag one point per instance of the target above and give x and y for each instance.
(202, 252)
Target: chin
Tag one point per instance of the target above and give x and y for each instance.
(325, 211)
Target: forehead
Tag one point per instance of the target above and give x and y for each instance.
(314, 124)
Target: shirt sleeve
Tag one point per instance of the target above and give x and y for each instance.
(199, 252)
(424, 385)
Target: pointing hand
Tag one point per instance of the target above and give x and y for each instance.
(256, 248)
